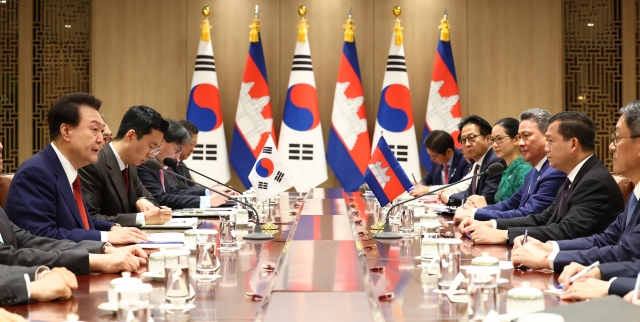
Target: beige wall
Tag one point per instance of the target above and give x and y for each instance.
(508, 54)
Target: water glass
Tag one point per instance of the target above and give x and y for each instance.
(483, 288)
(406, 221)
(449, 255)
(206, 260)
(228, 269)
(228, 230)
(113, 296)
(133, 302)
(428, 247)
(176, 276)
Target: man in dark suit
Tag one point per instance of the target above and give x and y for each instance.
(188, 149)
(164, 187)
(606, 279)
(542, 182)
(474, 136)
(46, 195)
(448, 163)
(111, 186)
(44, 284)
(587, 203)
(619, 242)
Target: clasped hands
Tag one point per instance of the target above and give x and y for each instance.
(482, 232)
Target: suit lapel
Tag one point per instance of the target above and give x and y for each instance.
(485, 164)
(116, 177)
(533, 190)
(63, 183)
(576, 182)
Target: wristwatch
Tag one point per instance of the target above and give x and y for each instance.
(107, 244)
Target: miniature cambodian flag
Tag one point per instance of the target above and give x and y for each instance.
(349, 146)
(301, 144)
(254, 120)
(210, 155)
(384, 175)
(395, 115)
(443, 107)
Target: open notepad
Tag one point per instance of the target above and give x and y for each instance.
(176, 223)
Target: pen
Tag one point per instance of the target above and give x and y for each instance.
(635, 291)
(414, 179)
(581, 273)
(524, 241)
(463, 204)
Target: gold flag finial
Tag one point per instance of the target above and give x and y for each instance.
(303, 27)
(349, 28)
(255, 28)
(444, 29)
(397, 11)
(206, 11)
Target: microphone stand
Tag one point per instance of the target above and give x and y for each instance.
(386, 231)
(257, 233)
(212, 179)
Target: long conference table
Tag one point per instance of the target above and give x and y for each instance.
(322, 254)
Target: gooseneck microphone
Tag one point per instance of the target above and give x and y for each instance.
(174, 163)
(257, 233)
(386, 233)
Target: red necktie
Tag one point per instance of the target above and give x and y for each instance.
(162, 179)
(446, 174)
(77, 193)
(125, 176)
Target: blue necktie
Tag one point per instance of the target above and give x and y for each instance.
(633, 201)
(534, 178)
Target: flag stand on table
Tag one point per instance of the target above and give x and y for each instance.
(395, 115)
(349, 147)
(254, 120)
(300, 143)
(210, 155)
(443, 107)
(387, 180)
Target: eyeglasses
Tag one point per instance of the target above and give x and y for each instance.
(471, 138)
(615, 138)
(179, 150)
(498, 139)
(154, 151)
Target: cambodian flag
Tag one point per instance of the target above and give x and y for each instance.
(349, 145)
(210, 155)
(443, 107)
(301, 144)
(385, 175)
(254, 120)
(395, 115)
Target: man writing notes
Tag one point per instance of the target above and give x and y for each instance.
(587, 203)
(111, 185)
(46, 195)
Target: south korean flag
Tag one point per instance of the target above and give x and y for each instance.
(268, 174)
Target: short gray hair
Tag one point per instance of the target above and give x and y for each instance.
(540, 116)
(631, 113)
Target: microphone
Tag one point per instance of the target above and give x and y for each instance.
(257, 233)
(386, 233)
(174, 163)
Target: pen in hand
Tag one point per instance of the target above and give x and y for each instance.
(524, 241)
(414, 179)
(580, 274)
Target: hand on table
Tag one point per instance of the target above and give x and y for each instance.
(488, 235)
(629, 298)
(461, 214)
(143, 205)
(59, 284)
(590, 288)
(533, 255)
(476, 201)
(573, 269)
(6, 316)
(419, 190)
(125, 235)
(468, 225)
(157, 216)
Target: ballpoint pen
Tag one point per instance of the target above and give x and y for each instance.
(635, 290)
(414, 178)
(524, 241)
(581, 273)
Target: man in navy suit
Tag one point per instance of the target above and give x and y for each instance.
(474, 136)
(587, 203)
(619, 242)
(46, 197)
(448, 163)
(542, 182)
(186, 153)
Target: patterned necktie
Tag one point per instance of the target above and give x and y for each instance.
(473, 181)
(125, 176)
(77, 193)
(534, 178)
(565, 188)
(446, 174)
(633, 202)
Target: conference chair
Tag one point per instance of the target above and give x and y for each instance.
(625, 185)
(5, 182)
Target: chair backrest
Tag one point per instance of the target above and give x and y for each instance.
(5, 183)
(625, 185)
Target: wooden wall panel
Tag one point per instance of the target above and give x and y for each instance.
(515, 57)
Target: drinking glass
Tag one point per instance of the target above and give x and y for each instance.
(483, 288)
(176, 276)
(133, 302)
(449, 255)
(406, 221)
(228, 229)
(206, 260)
(430, 235)
(228, 269)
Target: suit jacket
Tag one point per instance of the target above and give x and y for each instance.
(20, 248)
(626, 273)
(619, 242)
(592, 202)
(487, 184)
(181, 170)
(172, 196)
(13, 286)
(524, 201)
(459, 167)
(105, 193)
(41, 201)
